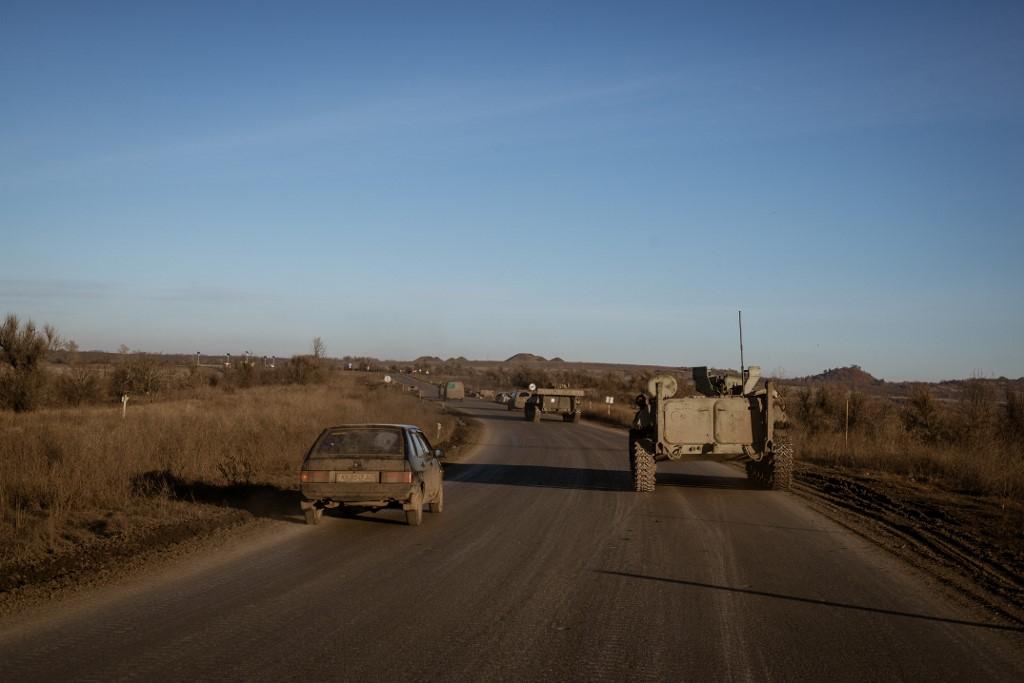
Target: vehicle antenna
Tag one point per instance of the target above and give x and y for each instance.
(742, 377)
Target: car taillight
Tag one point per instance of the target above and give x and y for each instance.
(396, 477)
(315, 475)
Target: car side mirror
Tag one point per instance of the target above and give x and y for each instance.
(439, 454)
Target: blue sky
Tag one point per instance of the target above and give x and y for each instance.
(593, 181)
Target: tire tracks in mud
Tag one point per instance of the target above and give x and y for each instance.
(959, 550)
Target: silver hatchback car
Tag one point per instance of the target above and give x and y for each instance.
(372, 466)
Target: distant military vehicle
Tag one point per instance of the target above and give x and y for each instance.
(562, 401)
(730, 419)
(452, 391)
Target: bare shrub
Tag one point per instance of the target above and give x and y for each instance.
(303, 370)
(23, 349)
(78, 386)
(137, 373)
(922, 417)
(1011, 424)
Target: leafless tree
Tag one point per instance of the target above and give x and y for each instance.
(318, 348)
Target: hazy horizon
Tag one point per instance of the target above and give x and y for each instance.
(582, 180)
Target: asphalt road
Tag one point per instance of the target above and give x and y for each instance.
(542, 566)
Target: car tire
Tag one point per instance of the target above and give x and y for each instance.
(414, 515)
(438, 504)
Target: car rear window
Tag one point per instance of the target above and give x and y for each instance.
(342, 442)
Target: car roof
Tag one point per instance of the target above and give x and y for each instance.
(376, 425)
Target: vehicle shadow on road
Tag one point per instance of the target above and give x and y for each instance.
(500, 407)
(812, 601)
(577, 478)
(261, 500)
(503, 414)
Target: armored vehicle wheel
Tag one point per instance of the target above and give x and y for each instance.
(438, 504)
(775, 470)
(533, 415)
(313, 514)
(644, 469)
(782, 467)
(414, 515)
(577, 416)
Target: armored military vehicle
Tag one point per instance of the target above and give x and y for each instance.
(452, 391)
(730, 419)
(565, 402)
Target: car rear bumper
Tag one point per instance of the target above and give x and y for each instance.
(358, 493)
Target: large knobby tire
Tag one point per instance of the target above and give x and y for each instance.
(437, 505)
(313, 515)
(782, 467)
(644, 469)
(414, 515)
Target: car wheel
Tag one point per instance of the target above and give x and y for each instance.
(414, 515)
(313, 515)
(438, 504)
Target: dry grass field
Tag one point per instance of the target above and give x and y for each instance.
(70, 475)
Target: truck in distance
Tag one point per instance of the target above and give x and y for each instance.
(564, 402)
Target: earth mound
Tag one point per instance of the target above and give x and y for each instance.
(525, 357)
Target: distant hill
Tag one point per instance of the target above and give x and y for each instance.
(526, 357)
(851, 375)
(556, 359)
(428, 359)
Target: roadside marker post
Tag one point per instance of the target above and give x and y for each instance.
(124, 405)
(438, 437)
(609, 400)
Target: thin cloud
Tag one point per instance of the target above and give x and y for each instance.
(34, 289)
(440, 107)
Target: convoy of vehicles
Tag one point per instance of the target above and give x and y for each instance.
(732, 417)
(371, 467)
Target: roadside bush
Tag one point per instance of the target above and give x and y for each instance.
(23, 348)
(303, 370)
(1011, 426)
(922, 419)
(137, 374)
(77, 386)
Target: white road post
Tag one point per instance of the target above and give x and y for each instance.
(124, 405)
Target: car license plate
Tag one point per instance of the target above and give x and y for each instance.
(356, 477)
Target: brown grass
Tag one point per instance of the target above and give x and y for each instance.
(973, 445)
(65, 470)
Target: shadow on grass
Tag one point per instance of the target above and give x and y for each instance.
(261, 500)
(579, 478)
